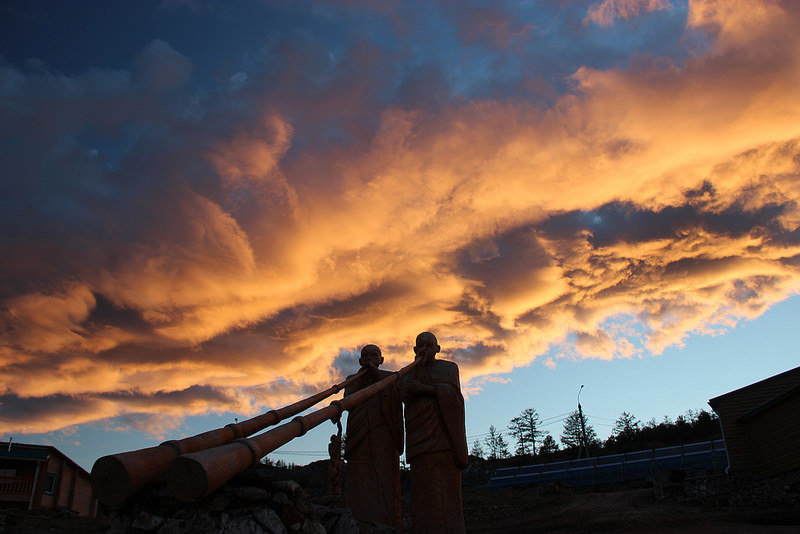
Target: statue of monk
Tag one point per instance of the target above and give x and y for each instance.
(436, 440)
(335, 464)
(372, 447)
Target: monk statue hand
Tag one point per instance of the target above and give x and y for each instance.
(372, 370)
(415, 388)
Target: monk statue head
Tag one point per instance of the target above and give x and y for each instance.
(370, 355)
(426, 346)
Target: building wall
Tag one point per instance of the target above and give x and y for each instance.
(70, 486)
(64, 494)
(742, 453)
(18, 485)
(54, 467)
(72, 489)
(40, 481)
(82, 499)
(25, 469)
(774, 436)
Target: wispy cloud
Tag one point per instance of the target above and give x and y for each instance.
(604, 13)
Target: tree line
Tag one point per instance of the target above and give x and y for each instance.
(578, 437)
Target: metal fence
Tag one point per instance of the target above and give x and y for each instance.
(697, 458)
(15, 486)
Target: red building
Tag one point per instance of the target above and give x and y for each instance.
(41, 476)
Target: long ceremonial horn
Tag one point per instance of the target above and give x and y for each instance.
(118, 476)
(193, 476)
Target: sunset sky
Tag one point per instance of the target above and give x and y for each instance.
(207, 208)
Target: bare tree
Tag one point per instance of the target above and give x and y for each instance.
(525, 429)
(498, 448)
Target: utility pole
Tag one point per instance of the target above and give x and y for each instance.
(583, 426)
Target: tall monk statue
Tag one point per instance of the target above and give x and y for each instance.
(436, 440)
(372, 448)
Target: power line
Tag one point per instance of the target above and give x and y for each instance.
(555, 416)
(478, 435)
(542, 422)
(598, 417)
(279, 453)
(300, 452)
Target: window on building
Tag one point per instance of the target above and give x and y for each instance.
(10, 473)
(50, 484)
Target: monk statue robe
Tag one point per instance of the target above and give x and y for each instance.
(436, 441)
(373, 444)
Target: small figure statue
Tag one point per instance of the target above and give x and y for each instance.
(373, 446)
(335, 464)
(436, 441)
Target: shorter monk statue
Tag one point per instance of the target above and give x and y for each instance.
(335, 465)
(373, 445)
(436, 441)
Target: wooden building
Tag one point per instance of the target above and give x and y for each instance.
(41, 476)
(761, 425)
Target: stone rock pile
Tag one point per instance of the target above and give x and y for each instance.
(252, 503)
(734, 491)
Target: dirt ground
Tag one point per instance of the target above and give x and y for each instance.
(630, 511)
(13, 521)
(530, 511)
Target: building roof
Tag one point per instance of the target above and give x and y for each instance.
(769, 404)
(29, 451)
(714, 403)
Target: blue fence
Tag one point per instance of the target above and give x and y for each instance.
(698, 458)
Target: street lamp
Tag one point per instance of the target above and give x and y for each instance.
(583, 426)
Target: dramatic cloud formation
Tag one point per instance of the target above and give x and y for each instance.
(604, 13)
(172, 248)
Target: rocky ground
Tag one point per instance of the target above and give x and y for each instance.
(267, 500)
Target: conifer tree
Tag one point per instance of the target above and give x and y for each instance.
(571, 435)
(626, 426)
(548, 445)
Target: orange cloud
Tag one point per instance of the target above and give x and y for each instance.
(738, 23)
(662, 194)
